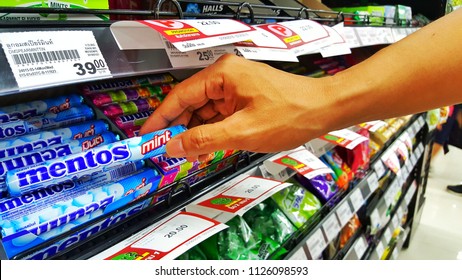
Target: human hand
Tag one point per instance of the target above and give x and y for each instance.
(243, 105)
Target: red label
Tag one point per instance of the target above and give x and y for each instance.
(226, 203)
(175, 31)
(294, 164)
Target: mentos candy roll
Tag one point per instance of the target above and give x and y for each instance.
(130, 107)
(48, 212)
(129, 83)
(124, 95)
(53, 152)
(90, 162)
(31, 109)
(47, 121)
(27, 143)
(137, 119)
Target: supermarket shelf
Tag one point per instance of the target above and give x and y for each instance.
(129, 63)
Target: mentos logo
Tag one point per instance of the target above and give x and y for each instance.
(79, 163)
(16, 116)
(15, 130)
(30, 146)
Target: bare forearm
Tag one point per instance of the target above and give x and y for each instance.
(418, 73)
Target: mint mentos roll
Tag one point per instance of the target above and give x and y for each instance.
(27, 143)
(47, 121)
(93, 161)
(53, 152)
(31, 109)
(46, 213)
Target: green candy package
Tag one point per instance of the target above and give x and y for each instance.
(195, 253)
(297, 203)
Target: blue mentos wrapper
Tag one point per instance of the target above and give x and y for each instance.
(47, 121)
(27, 143)
(53, 152)
(31, 109)
(93, 161)
(29, 220)
(81, 235)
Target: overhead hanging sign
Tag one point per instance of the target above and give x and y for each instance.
(40, 58)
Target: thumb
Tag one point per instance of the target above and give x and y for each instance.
(200, 140)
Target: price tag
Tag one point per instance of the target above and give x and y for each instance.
(398, 33)
(351, 37)
(53, 57)
(399, 178)
(373, 126)
(344, 138)
(344, 213)
(373, 182)
(421, 121)
(399, 215)
(395, 253)
(331, 227)
(169, 239)
(196, 58)
(364, 34)
(420, 149)
(380, 249)
(388, 196)
(360, 247)
(387, 234)
(405, 171)
(379, 168)
(356, 199)
(410, 193)
(416, 127)
(188, 35)
(376, 221)
(384, 35)
(395, 221)
(316, 244)
(339, 45)
(413, 158)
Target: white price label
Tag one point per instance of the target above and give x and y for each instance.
(331, 227)
(316, 244)
(387, 234)
(398, 33)
(53, 57)
(379, 168)
(351, 37)
(395, 254)
(376, 221)
(344, 213)
(405, 170)
(414, 158)
(360, 247)
(399, 177)
(373, 182)
(421, 121)
(410, 193)
(420, 149)
(388, 196)
(380, 249)
(365, 37)
(356, 199)
(339, 45)
(395, 221)
(399, 215)
(195, 58)
(345, 138)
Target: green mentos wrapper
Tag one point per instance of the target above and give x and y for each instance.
(33, 218)
(93, 161)
(297, 203)
(24, 111)
(47, 121)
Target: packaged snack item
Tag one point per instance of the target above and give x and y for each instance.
(323, 186)
(130, 107)
(87, 232)
(47, 212)
(132, 131)
(349, 230)
(24, 111)
(195, 253)
(47, 121)
(90, 162)
(129, 83)
(298, 204)
(128, 121)
(53, 152)
(124, 95)
(334, 161)
(27, 143)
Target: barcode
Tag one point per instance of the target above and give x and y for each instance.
(48, 56)
(122, 171)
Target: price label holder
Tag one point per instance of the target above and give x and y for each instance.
(400, 213)
(344, 213)
(422, 122)
(339, 46)
(387, 234)
(413, 158)
(373, 126)
(356, 199)
(331, 227)
(395, 254)
(380, 249)
(284, 165)
(39, 58)
(266, 43)
(384, 35)
(165, 240)
(379, 168)
(376, 221)
(410, 193)
(360, 247)
(373, 182)
(344, 138)
(395, 221)
(399, 33)
(316, 244)
(235, 197)
(351, 37)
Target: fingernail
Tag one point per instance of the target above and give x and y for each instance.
(175, 148)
